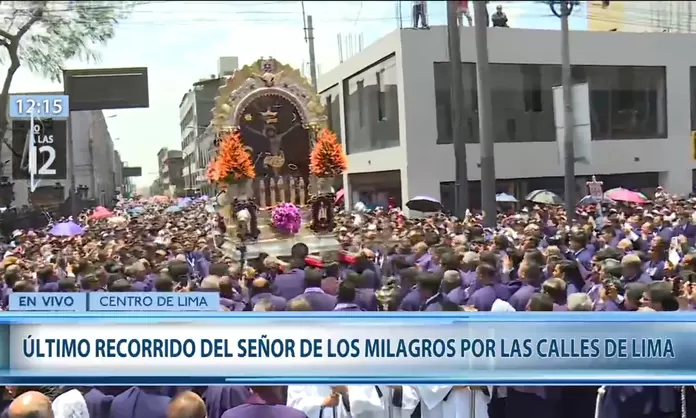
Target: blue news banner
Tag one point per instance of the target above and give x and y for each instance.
(103, 346)
(114, 302)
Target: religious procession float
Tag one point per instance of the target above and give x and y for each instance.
(276, 162)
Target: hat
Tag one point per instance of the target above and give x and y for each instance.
(16, 233)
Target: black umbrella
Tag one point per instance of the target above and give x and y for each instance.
(424, 204)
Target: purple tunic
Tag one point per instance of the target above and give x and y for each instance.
(98, 404)
(219, 399)
(139, 402)
(290, 285)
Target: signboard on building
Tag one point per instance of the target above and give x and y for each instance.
(107, 88)
(132, 171)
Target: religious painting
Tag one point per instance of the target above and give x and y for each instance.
(272, 129)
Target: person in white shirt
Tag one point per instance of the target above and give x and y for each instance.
(320, 401)
(453, 402)
(382, 401)
(71, 404)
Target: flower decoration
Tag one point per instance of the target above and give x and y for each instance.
(327, 158)
(232, 163)
(286, 217)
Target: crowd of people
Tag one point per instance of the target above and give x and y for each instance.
(618, 257)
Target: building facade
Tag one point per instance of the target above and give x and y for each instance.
(118, 173)
(391, 105)
(93, 149)
(170, 178)
(195, 112)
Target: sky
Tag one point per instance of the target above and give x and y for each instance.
(180, 42)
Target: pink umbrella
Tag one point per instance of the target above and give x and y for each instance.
(624, 195)
(339, 196)
(101, 214)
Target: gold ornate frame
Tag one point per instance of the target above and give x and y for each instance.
(255, 80)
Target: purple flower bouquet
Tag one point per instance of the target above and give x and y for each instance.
(286, 218)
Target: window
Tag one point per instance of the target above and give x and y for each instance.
(443, 103)
(329, 112)
(625, 102)
(370, 108)
(531, 81)
(381, 96)
(361, 103)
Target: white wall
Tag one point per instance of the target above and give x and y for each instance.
(424, 164)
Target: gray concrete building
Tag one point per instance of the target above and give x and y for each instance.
(195, 112)
(390, 104)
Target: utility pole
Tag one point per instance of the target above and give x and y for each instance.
(312, 58)
(568, 115)
(72, 191)
(486, 136)
(461, 181)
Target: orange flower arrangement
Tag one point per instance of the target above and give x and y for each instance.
(232, 163)
(327, 158)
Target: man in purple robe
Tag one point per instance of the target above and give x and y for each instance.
(489, 288)
(47, 280)
(432, 299)
(260, 290)
(530, 276)
(290, 284)
(685, 227)
(219, 399)
(140, 402)
(346, 298)
(98, 403)
(264, 402)
(409, 297)
(30, 404)
(318, 300)
(579, 250)
(364, 295)
(632, 270)
(186, 405)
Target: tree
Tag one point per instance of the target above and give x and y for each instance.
(45, 34)
(327, 158)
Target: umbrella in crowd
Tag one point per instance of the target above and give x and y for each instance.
(591, 200)
(173, 209)
(544, 197)
(424, 204)
(102, 213)
(505, 198)
(339, 195)
(66, 229)
(624, 195)
(184, 202)
(138, 210)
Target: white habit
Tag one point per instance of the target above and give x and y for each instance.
(365, 402)
(308, 399)
(460, 403)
